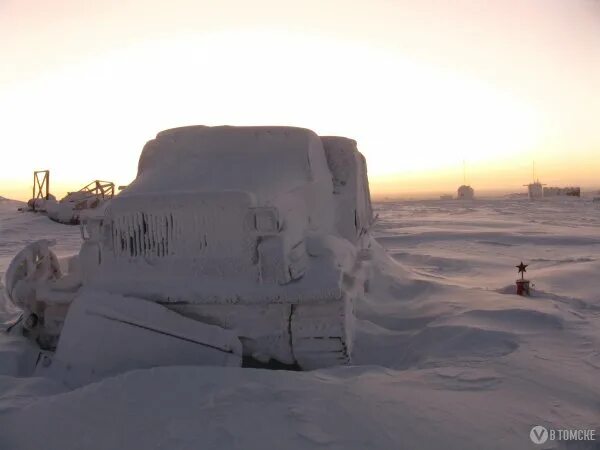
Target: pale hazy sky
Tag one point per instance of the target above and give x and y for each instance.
(421, 85)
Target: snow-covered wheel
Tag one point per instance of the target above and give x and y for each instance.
(31, 267)
(322, 334)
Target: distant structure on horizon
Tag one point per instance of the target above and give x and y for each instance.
(535, 189)
(465, 192)
(570, 191)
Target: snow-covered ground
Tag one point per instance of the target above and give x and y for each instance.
(446, 356)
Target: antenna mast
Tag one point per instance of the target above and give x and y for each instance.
(464, 172)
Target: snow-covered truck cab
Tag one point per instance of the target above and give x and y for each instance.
(257, 230)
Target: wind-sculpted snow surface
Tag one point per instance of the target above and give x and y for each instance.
(445, 355)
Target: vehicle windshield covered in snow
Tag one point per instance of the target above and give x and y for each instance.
(261, 160)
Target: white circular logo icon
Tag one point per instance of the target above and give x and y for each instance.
(538, 434)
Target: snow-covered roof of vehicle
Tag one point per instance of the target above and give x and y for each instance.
(261, 160)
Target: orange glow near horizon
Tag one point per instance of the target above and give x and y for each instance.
(422, 86)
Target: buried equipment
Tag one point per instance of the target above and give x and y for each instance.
(240, 241)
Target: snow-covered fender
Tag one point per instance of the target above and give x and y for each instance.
(32, 267)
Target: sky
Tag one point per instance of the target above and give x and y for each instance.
(425, 87)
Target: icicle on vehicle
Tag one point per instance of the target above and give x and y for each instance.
(235, 241)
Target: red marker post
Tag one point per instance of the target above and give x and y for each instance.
(522, 284)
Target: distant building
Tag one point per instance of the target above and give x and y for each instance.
(446, 197)
(571, 191)
(535, 190)
(465, 193)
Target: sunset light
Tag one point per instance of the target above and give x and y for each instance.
(496, 86)
(299, 224)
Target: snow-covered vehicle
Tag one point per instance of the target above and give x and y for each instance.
(71, 206)
(245, 240)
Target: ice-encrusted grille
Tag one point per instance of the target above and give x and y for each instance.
(144, 234)
(177, 233)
